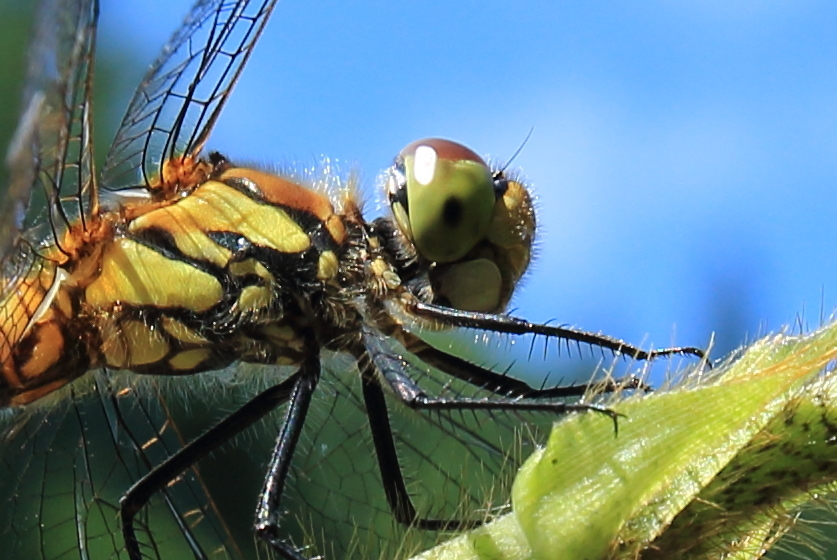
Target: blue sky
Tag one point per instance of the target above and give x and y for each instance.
(684, 154)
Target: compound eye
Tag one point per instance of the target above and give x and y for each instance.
(442, 195)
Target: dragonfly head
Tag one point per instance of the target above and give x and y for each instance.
(473, 226)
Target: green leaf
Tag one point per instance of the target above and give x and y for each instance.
(708, 469)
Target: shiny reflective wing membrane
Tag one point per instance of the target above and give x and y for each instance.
(180, 98)
(50, 155)
(52, 145)
(209, 340)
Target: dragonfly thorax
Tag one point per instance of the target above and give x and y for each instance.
(229, 272)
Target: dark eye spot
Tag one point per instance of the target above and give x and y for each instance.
(452, 212)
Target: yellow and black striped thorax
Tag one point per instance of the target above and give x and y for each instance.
(246, 250)
(229, 271)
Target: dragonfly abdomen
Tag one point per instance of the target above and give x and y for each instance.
(35, 326)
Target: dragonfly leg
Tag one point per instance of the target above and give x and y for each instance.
(391, 475)
(504, 385)
(376, 366)
(267, 511)
(157, 479)
(514, 325)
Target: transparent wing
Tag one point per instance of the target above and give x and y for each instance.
(457, 465)
(177, 103)
(75, 461)
(51, 152)
(65, 468)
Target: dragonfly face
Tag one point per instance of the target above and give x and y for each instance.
(171, 265)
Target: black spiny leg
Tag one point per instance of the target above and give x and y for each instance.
(513, 325)
(267, 511)
(504, 385)
(392, 478)
(156, 480)
(375, 365)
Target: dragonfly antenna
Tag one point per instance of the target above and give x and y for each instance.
(519, 149)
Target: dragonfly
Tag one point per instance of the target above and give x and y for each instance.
(185, 341)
